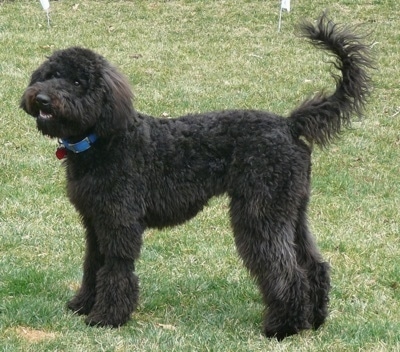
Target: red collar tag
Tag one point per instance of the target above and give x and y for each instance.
(61, 153)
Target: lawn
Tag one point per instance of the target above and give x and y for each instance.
(193, 56)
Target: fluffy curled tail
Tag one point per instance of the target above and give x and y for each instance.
(320, 119)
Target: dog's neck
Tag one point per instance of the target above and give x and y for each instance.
(80, 145)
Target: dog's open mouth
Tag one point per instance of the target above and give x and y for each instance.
(44, 115)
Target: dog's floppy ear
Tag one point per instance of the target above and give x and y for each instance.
(117, 107)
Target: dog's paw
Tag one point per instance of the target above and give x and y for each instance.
(319, 319)
(81, 305)
(282, 331)
(103, 320)
(280, 334)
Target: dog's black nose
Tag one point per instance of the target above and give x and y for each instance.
(43, 100)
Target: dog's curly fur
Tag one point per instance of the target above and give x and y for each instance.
(147, 172)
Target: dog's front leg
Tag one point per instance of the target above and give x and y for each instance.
(117, 287)
(117, 293)
(84, 300)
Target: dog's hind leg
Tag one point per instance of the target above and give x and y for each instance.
(265, 241)
(84, 300)
(317, 270)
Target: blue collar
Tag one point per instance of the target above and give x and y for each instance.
(80, 146)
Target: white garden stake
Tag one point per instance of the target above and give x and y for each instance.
(285, 5)
(46, 7)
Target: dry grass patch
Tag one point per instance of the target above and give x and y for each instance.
(33, 335)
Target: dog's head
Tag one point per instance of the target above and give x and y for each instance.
(76, 92)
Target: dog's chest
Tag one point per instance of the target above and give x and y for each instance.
(84, 184)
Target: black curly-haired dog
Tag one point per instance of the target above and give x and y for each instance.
(127, 171)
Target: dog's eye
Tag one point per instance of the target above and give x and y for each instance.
(54, 75)
(77, 83)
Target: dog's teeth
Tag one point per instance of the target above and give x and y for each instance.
(44, 115)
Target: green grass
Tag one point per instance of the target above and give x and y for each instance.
(192, 56)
